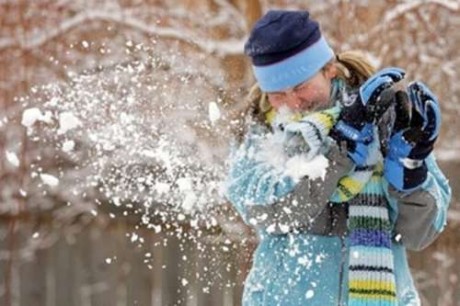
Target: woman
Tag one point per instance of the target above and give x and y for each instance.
(334, 173)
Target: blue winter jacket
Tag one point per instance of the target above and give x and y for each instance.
(303, 259)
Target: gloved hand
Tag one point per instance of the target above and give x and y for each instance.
(308, 136)
(304, 137)
(418, 120)
(361, 112)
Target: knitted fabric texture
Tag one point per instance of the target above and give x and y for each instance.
(371, 278)
(286, 48)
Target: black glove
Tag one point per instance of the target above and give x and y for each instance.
(361, 111)
(418, 121)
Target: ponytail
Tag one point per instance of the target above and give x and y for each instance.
(353, 67)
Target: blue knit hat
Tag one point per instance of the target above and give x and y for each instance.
(286, 48)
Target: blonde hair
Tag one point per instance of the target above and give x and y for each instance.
(352, 66)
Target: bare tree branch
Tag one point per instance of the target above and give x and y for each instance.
(28, 42)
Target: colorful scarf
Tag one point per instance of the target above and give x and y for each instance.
(371, 278)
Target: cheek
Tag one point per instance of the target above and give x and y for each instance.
(275, 103)
(312, 94)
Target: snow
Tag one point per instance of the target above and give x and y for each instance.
(305, 261)
(68, 145)
(141, 158)
(157, 228)
(214, 112)
(31, 115)
(189, 201)
(12, 158)
(134, 237)
(298, 166)
(49, 179)
(67, 122)
(185, 184)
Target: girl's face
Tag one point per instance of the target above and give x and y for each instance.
(308, 96)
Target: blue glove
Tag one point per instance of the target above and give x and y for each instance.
(362, 110)
(418, 121)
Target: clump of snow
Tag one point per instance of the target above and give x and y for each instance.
(310, 293)
(12, 158)
(31, 115)
(49, 179)
(134, 237)
(68, 145)
(298, 166)
(214, 112)
(67, 122)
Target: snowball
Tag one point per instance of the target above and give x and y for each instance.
(184, 282)
(35, 235)
(67, 122)
(49, 179)
(310, 293)
(108, 260)
(134, 237)
(12, 158)
(214, 112)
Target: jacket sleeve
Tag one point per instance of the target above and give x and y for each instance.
(267, 199)
(421, 215)
(252, 182)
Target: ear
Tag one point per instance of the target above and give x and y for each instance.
(330, 71)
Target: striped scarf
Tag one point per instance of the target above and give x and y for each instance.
(371, 279)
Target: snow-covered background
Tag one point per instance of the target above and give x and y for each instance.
(116, 119)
